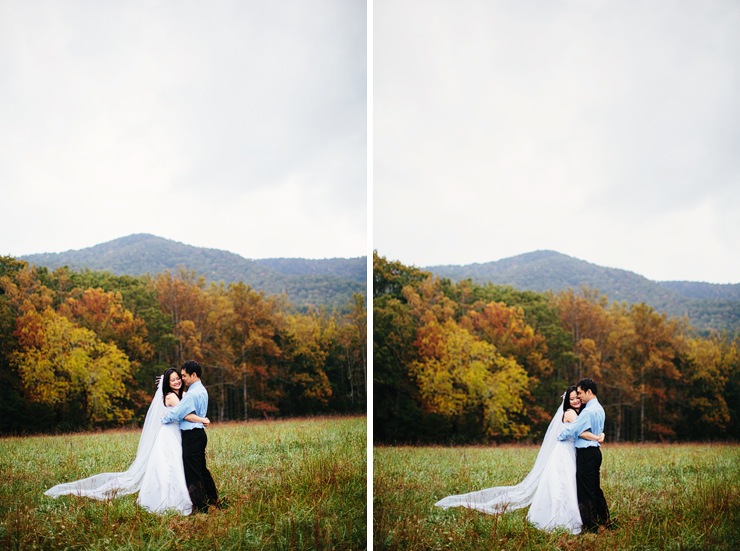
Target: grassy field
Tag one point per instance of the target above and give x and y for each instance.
(682, 497)
(298, 484)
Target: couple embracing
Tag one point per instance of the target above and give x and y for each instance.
(169, 471)
(563, 488)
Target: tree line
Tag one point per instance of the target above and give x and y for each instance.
(81, 349)
(464, 362)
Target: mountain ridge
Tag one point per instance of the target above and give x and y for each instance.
(309, 283)
(708, 305)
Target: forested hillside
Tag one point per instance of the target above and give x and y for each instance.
(709, 306)
(463, 361)
(330, 283)
(80, 349)
(348, 268)
(692, 289)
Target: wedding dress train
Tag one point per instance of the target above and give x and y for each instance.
(157, 472)
(550, 487)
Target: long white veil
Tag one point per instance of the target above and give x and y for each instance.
(502, 498)
(110, 485)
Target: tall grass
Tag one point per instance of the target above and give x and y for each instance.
(296, 484)
(682, 497)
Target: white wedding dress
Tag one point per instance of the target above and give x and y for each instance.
(550, 487)
(163, 487)
(555, 502)
(157, 472)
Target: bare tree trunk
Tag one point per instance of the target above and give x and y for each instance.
(223, 397)
(244, 382)
(350, 376)
(642, 412)
(364, 371)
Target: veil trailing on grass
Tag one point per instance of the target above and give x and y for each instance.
(110, 485)
(507, 498)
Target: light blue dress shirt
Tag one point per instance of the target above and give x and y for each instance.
(591, 418)
(194, 401)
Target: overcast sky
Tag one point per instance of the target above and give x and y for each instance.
(237, 125)
(605, 130)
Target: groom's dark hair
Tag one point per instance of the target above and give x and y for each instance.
(587, 384)
(191, 366)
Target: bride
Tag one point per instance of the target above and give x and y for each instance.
(157, 472)
(549, 488)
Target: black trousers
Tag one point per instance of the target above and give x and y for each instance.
(591, 502)
(200, 483)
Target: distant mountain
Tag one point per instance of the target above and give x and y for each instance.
(330, 283)
(709, 306)
(693, 289)
(348, 268)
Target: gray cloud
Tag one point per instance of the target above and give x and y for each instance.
(129, 117)
(602, 130)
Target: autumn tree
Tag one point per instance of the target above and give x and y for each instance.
(654, 350)
(460, 376)
(104, 314)
(60, 362)
(709, 367)
(13, 406)
(255, 333)
(354, 347)
(397, 411)
(183, 299)
(390, 277)
(583, 315)
(538, 341)
(618, 373)
(11, 302)
(138, 296)
(505, 328)
(308, 337)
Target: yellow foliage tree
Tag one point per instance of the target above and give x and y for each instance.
(103, 313)
(465, 374)
(62, 361)
(505, 328)
(308, 333)
(710, 362)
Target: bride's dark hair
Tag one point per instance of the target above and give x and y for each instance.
(166, 388)
(566, 400)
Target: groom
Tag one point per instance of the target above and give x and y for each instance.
(591, 502)
(201, 487)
